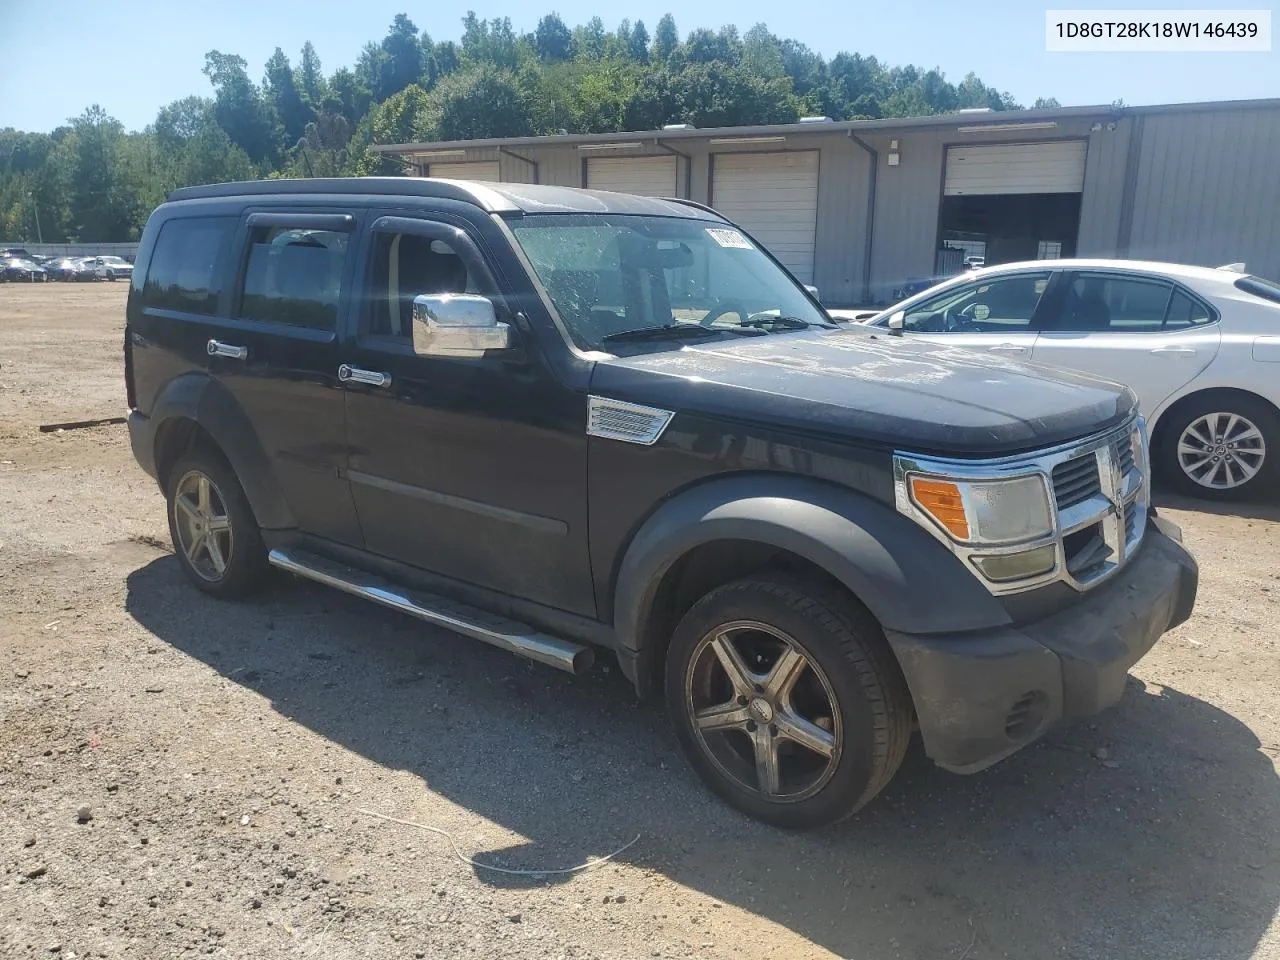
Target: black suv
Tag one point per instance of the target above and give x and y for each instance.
(558, 420)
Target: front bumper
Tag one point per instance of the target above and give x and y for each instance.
(981, 696)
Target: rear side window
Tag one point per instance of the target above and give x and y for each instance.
(1266, 289)
(1185, 312)
(1126, 304)
(184, 272)
(294, 276)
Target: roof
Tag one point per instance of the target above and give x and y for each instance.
(848, 127)
(492, 197)
(1183, 271)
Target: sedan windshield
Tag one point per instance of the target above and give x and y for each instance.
(616, 278)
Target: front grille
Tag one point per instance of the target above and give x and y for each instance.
(1122, 451)
(1075, 481)
(1085, 551)
(1130, 520)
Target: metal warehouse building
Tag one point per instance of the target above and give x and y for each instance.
(857, 208)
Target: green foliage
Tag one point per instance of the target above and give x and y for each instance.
(91, 180)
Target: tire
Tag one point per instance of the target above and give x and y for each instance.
(236, 564)
(1249, 442)
(847, 699)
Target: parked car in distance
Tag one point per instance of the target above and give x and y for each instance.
(18, 269)
(1199, 346)
(975, 262)
(68, 268)
(557, 420)
(109, 267)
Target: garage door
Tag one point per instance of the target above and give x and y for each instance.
(1056, 167)
(774, 196)
(468, 170)
(644, 176)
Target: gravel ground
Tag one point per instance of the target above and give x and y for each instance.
(180, 776)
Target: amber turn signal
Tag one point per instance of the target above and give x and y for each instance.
(941, 499)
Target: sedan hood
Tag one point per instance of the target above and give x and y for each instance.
(867, 386)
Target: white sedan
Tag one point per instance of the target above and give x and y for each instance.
(1199, 346)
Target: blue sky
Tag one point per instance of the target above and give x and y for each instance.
(134, 57)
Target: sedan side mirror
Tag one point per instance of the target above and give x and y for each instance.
(897, 322)
(457, 325)
(813, 292)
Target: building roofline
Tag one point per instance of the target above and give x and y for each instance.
(994, 117)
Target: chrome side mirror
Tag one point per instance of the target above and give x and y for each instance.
(813, 292)
(457, 325)
(897, 322)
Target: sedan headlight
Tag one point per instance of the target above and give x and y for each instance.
(984, 512)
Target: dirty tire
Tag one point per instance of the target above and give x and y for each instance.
(1169, 466)
(244, 557)
(847, 661)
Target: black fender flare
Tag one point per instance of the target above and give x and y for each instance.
(198, 397)
(908, 580)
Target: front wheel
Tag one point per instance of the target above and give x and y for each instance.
(787, 701)
(1222, 448)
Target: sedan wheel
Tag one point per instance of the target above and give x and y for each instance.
(1221, 451)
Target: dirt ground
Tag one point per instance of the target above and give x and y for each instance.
(226, 754)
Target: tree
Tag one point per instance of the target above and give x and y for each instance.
(638, 43)
(665, 38)
(481, 102)
(762, 53)
(403, 61)
(239, 107)
(310, 78)
(352, 94)
(553, 41)
(1046, 103)
(590, 39)
(488, 42)
(291, 110)
(101, 209)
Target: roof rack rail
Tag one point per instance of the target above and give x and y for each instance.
(693, 203)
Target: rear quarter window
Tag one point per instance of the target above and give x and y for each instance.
(184, 273)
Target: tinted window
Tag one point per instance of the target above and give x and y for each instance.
(1185, 312)
(998, 305)
(1266, 289)
(1121, 304)
(184, 274)
(404, 266)
(294, 276)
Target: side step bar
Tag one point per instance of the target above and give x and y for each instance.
(470, 622)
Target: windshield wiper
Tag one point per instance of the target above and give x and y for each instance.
(771, 320)
(667, 331)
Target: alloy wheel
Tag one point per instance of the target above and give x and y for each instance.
(1221, 451)
(203, 525)
(763, 711)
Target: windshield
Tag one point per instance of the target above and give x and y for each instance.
(611, 276)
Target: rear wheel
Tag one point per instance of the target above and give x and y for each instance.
(787, 701)
(214, 532)
(1222, 448)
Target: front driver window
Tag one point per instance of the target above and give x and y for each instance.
(998, 305)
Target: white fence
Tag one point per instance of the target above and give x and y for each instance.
(126, 250)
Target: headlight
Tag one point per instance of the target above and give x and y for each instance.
(986, 512)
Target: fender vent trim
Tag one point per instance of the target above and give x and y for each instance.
(628, 422)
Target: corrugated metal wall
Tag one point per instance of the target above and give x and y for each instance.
(1207, 189)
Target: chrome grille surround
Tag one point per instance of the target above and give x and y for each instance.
(1118, 506)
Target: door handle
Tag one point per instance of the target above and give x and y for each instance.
(217, 348)
(1008, 348)
(372, 378)
(1175, 351)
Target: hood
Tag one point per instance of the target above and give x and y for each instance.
(874, 388)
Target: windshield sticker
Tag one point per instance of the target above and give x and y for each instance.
(729, 238)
